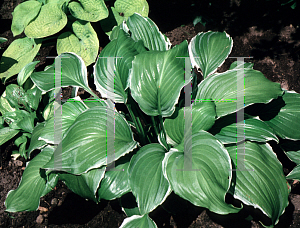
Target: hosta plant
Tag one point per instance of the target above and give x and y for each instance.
(22, 106)
(66, 23)
(201, 142)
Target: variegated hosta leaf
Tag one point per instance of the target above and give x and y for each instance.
(286, 122)
(71, 69)
(225, 90)
(113, 66)
(156, 86)
(143, 28)
(85, 145)
(253, 130)
(202, 118)
(209, 50)
(199, 170)
(69, 112)
(116, 181)
(260, 181)
(138, 221)
(148, 184)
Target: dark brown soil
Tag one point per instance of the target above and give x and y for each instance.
(264, 30)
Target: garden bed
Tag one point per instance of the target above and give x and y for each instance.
(269, 37)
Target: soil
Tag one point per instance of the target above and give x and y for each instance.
(265, 31)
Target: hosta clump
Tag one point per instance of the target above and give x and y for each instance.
(67, 23)
(159, 146)
(22, 106)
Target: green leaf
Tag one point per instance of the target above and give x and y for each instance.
(115, 182)
(129, 7)
(202, 118)
(33, 97)
(295, 157)
(32, 186)
(48, 111)
(5, 105)
(83, 42)
(6, 134)
(70, 111)
(26, 72)
(23, 14)
(85, 143)
(286, 122)
(35, 143)
(86, 184)
(156, 86)
(138, 221)
(209, 50)
(253, 130)
(143, 28)
(202, 173)
(27, 123)
(148, 184)
(88, 10)
(73, 73)
(20, 119)
(18, 54)
(222, 89)
(111, 74)
(16, 96)
(240, 65)
(259, 180)
(50, 20)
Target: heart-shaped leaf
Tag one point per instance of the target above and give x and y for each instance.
(22, 17)
(49, 21)
(209, 50)
(83, 42)
(148, 184)
(156, 86)
(202, 173)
